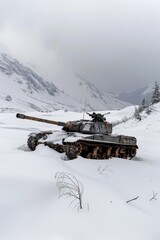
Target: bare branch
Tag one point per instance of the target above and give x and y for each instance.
(70, 187)
(102, 170)
(154, 196)
(132, 199)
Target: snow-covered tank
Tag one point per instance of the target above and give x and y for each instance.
(91, 139)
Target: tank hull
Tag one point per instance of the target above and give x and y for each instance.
(95, 146)
(102, 147)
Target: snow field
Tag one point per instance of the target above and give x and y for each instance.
(29, 204)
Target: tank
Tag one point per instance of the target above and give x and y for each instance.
(92, 139)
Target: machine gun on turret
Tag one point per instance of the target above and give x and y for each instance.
(98, 117)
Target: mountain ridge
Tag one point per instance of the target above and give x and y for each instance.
(25, 89)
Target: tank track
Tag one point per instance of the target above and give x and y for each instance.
(71, 151)
(33, 141)
(96, 150)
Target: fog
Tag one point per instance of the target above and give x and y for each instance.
(111, 43)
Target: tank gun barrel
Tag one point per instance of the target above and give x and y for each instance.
(23, 116)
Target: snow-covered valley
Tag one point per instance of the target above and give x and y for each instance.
(30, 206)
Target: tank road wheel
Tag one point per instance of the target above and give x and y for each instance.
(117, 152)
(97, 153)
(98, 156)
(105, 156)
(123, 153)
(89, 156)
(32, 143)
(92, 156)
(79, 148)
(133, 152)
(71, 151)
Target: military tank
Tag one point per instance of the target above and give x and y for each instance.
(90, 139)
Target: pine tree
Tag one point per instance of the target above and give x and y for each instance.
(143, 105)
(156, 94)
(148, 110)
(137, 114)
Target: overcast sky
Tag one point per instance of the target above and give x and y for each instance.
(114, 44)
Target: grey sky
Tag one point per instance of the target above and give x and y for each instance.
(112, 43)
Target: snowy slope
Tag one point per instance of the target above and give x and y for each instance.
(21, 88)
(136, 96)
(86, 92)
(31, 209)
(28, 91)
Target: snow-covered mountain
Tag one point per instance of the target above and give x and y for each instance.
(94, 98)
(136, 96)
(23, 89)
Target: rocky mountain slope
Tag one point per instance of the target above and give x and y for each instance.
(23, 89)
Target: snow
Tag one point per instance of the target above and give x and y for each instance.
(29, 204)
(28, 91)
